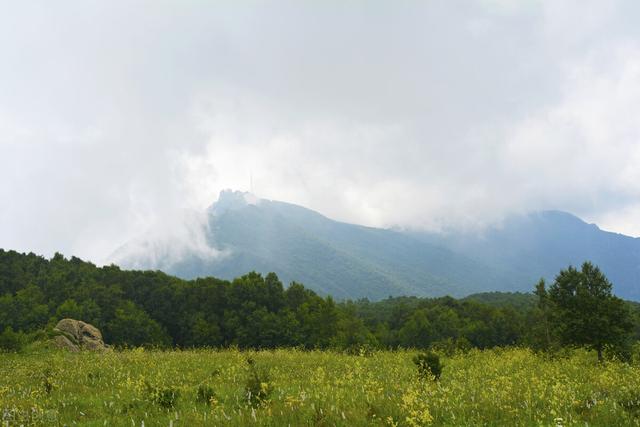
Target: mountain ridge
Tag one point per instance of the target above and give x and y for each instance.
(346, 260)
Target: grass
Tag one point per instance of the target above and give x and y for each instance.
(318, 388)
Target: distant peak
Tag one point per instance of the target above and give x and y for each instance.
(232, 200)
(554, 213)
(562, 217)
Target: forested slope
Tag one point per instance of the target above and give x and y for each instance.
(252, 311)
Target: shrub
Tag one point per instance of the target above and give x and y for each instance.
(429, 365)
(164, 397)
(205, 393)
(11, 341)
(257, 386)
(623, 352)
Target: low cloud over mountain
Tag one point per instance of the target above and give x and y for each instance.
(240, 233)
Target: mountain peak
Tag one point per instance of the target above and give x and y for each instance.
(232, 200)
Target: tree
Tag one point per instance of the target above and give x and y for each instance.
(417, 332)
(352, 334)
(539, 332)
(69, 309)
(203, 332)
(133, 326)
(584, 312)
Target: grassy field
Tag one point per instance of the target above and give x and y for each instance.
(296, 388)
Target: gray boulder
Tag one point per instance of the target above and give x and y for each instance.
(76, 335)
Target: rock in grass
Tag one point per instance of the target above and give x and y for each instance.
(75, 335)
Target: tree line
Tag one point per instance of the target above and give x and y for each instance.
(150, 308)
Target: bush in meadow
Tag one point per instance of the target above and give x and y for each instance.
(11, 341)
(429, 365)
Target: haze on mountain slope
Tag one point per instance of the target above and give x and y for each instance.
(241, 233)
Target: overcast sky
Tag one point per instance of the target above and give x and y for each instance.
(116, 116)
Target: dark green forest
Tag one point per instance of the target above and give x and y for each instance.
(150, 308)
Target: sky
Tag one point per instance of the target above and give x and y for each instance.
(117, 117)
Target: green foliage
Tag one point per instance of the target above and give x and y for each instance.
(429, 366)
(582, 311)
(417, 331)
(69, 309)
(86, 310)
(352, 333)
(11, 341)
(152, 309)
(257, 387)
(163, 396)
(517, 300)
(452, 346)
(203, 332)
(133, 326)
(205, 393)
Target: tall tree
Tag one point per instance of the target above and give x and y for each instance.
(540, 332)
(584, 312)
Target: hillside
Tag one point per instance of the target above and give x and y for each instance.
(541, 244)
(252, 311)
(353, 261)
(331, 257)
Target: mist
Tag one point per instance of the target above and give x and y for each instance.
(116, 118)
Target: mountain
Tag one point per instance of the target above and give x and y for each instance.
(541, 244)
(330, 257)
(241, 233)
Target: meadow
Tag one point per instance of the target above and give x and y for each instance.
(313, 388)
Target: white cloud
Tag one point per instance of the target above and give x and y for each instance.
(116, 117)
(171, 240)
